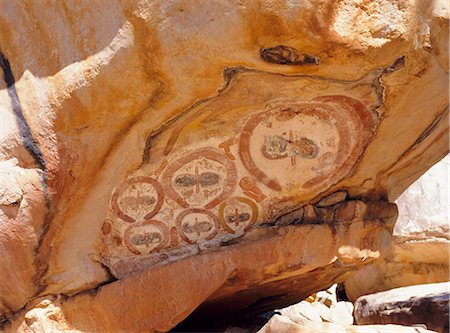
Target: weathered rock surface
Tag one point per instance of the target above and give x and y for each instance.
(422, 304)
(215, 270)
(424, 205)
(420, 249)
(162, 155)
(320, 307)
(283, 324)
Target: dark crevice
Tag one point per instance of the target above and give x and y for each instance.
(286, 55)
(33, 148)
(425, 134)
(28, 141)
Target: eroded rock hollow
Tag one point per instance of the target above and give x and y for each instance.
(219, 156)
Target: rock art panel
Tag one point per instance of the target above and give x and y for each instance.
(204, 185)
(199, 77)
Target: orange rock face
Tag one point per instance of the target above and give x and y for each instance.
(419, 251)
(167, 155)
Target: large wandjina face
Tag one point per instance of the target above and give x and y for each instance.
(223, 187)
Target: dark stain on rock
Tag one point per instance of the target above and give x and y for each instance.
(398, 63)
(238, 218)
(209, 179)
(106, 228)
(29, 142)
(285, 55)
(307, 148)
(147, 238)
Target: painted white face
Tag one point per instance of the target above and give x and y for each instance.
(292, 148)
(199, 181)
(137, 199)
(196, 226)
(147, 237)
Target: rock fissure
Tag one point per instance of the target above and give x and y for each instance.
(29, 141)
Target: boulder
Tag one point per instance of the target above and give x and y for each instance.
(342, 313)
(420, 248)
(426, 304)
(283, 324)
(222, 157)
(320, 307)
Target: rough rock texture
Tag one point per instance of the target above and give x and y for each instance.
(207, 141)
(333, 251)
(283, 324)
(321, 307)
(422, 304)
(420, 249)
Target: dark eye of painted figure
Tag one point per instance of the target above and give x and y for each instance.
(197, 227)
(137, 201)
(238, 218)
(274, 147)
(204, 226)
(209, 179)
(186, 180)
(147, 238)
(204, 179)
(307, 148)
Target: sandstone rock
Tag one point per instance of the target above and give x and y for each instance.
(154, 136)
(45, 316)
(342, 313)
(302, 311)
(320, 307)
(283, 324)
(327, 297)
(22, 215)
(332, 199)
(422, 304)
(420, 250)
(236, 330)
